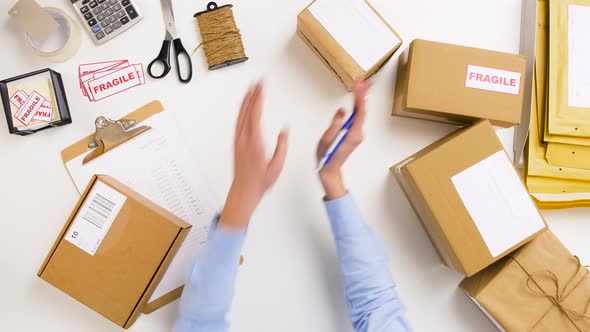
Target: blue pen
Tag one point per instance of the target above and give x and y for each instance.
(327, 156)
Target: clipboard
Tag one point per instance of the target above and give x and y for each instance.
(81, 147)
(107, 148)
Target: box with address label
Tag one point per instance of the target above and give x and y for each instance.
(113, 250)
(456, 84)
(34, 101)
(349, 36)
(470, 198)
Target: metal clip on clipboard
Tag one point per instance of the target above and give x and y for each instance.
(110, 134)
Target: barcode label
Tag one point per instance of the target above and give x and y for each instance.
(95, 217)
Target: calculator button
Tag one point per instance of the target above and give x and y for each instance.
(100, 35)
(112, 2)
(87, 16)
(93, 4)
(120, 14)
(117, 7)
(126, 3)
(124, 20)
(131, 12)
(112, 18)
(100, 1)
(96, 28)
(97, 10)
(108, 12)
(105, 23)
(108, 30)
(100, 17)
(116, 25)
(104, 6)
(86, 1)
(84, 10)
(92, 22)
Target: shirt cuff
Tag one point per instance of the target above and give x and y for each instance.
(225, 243)
(345, 217)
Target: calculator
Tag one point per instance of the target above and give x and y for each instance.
(106, 19)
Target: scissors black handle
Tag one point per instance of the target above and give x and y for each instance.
(181, 52)
(163, 58)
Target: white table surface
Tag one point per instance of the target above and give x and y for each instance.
(290, 279)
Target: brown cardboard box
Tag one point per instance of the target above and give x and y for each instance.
(540, 287)
(469, 198)
(113, 266)
(457, 84)
(325, 43)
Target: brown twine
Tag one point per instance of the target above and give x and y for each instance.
(222, 40)
(560, 296)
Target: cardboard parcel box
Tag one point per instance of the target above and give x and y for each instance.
(470, 199)
(113, 250)
(540, 287)
(350, 37)
(457, 84)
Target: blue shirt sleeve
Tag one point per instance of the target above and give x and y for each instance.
(371, 298)
(208, 292)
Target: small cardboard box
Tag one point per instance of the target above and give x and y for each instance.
(113, 250)
(350, 37)
(470, 198)
(539, 287)
(457, 84)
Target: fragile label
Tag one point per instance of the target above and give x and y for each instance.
(29, 108)
(95, 217)
(45, 112)
(114, 83)
(492, 79)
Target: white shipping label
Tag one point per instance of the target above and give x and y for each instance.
(579, 56)
(498, 203)
(492, 79)
(95, 217)
(357, 28)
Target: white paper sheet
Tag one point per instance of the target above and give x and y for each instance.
(158, 165)
(579, 56)
(498, 202)
(356, 27)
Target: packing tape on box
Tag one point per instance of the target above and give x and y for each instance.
(49, 32)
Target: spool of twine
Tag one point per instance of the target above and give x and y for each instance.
(222, 40)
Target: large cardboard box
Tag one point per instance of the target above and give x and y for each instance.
(113, 250)
(457, 84)
(470, 198)
(350, 37)
(540, 287)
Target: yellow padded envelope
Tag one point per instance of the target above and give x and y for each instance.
(567, 115)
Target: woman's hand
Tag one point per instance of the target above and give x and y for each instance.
(331, 175)
(253, 173)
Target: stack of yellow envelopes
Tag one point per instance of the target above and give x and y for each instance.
(558, 152)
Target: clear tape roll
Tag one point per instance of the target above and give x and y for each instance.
(63, 43)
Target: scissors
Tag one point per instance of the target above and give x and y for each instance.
(163, 58)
